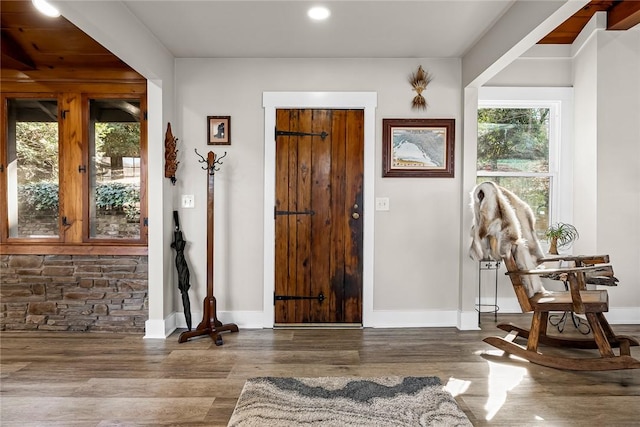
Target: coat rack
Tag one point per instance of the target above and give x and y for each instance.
(210, 325)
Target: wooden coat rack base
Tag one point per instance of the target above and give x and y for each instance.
(210, 324)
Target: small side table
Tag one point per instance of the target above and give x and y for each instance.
(488, 265)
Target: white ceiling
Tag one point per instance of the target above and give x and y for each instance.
(281, 29)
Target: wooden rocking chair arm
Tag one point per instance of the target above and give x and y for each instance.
(561, 270)
(578, 259)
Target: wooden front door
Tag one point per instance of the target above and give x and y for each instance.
(319, 216)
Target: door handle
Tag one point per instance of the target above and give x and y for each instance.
(355, 215)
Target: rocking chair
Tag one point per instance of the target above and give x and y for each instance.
(577, 299)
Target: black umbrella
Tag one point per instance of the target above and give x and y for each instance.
(183, 269)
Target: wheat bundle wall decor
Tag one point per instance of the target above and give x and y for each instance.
(419, 81)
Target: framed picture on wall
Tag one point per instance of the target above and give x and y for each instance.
(219, 130)
(417, 148)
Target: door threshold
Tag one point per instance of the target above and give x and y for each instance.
(317, 326)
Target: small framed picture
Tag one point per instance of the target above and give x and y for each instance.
(416, 148)
(218, 130)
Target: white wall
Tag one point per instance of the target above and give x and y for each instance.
(618, 161)
(540, 66)
(607, 169)
(585, 198)
(416, 242)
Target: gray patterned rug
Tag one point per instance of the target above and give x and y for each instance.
(340, 401)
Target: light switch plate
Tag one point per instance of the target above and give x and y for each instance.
(188, 201)
(382, 203)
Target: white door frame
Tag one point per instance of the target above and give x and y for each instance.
(360, 100)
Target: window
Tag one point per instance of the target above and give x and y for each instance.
(32, 171)
(75, 170)
(114, 165)
(519, 148)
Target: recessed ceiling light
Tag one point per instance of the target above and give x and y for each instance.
(319, 13)
(45, 8)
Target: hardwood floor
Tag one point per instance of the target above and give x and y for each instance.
(99, 379)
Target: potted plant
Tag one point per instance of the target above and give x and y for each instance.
(560, 235)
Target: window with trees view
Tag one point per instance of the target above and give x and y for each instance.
(114, 159)
(516, 149)
(74, 169)
(32, 168)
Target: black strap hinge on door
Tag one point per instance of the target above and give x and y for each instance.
(277, 212)
(322, 135)
(320, 297)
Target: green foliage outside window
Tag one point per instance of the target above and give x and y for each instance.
(513, 146)
(117, 139)
(43, 196)
(39, 196)
(513, 139)
(37, 151)
(114, 195)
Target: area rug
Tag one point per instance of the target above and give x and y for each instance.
(341, 401)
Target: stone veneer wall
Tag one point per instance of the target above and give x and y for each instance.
(73, 293)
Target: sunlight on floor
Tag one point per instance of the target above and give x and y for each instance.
(502, 379)
(456, 386)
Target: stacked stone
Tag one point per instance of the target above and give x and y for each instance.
(74, 293)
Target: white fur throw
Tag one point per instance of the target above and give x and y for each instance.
(503, 224)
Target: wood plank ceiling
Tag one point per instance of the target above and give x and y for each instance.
(30, 41)
(621, 15)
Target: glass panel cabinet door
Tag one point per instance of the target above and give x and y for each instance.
(114, 182)
(32, 168)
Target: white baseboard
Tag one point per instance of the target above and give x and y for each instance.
(468, 321)
(463, 320)
(624, 315)
(411, 319)
(159, 329)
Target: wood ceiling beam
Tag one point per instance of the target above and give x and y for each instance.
(623, 15)
(13, 53)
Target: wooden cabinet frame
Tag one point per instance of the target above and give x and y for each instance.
(73, 98)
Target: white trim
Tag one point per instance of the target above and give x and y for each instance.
(598, 22)
(159, 328)
(624, 315)
(273, 100)
(413, 319)
(158, 210)
(615, 315)
(468, 321)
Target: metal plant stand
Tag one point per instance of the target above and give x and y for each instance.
(488, 265)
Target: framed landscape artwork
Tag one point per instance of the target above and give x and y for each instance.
(219, 130)
(415, 148)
